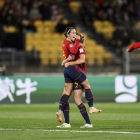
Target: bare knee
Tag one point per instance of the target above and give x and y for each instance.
(77, 100)
(68, 88)
(85, 84)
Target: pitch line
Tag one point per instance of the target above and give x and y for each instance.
(86, 131)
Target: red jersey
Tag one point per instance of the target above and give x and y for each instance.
(81, 50)
(70, 48)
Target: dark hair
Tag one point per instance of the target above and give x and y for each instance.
(67, 31)
(82, 38)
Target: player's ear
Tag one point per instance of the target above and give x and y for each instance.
(68, 35)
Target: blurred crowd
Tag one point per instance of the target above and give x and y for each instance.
(17, 12)
(124, 14)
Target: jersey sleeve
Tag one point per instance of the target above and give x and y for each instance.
(74, 48)
(81, 50)
(134, 46)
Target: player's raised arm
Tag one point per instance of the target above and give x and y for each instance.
(134, 46)
(72, 40)
(74, 48)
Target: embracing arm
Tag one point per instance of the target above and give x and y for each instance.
(71, 57)
(73, 49)
(77, 62)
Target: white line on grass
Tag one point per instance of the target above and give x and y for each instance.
(1, 129)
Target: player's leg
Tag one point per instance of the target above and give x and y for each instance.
(77, 99)
(66, 110)
(65, 96)
(63, 100)
(89, 97)
(79, 76)
(66, 115)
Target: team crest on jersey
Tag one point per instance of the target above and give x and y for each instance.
(71, 45)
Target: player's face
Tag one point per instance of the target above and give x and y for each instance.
(72, 35)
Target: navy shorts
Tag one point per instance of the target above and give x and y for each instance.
(77, 86)
(74, 73)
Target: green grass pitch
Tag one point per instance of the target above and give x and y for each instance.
(118, 121)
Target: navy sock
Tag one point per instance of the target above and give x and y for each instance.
(84, 113)
(66, 112)
(89, 97)
(63, 102)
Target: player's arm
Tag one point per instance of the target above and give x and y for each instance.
(134, 46)
(71, 57)
(74, 49)
(77, 62)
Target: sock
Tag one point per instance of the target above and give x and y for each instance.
(63, 102)
(66, 112)
(89, 97)
(84, 113)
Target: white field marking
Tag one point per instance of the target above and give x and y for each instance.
(86, 131)
(78, 127)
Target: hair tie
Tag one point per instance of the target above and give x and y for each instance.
(69, 30)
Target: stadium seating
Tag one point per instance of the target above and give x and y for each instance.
(74, 5)
(49, 44)
(108, 58)
(90, 59)
(104, 27)
(2, 3)
(139, 24)
(99, 59)
(10, 29)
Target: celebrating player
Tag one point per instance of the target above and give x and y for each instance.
(74, 73)
(78, 89)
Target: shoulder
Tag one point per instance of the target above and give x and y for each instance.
(65, 43)
(82, 47)
(68, 42)
(81, 50)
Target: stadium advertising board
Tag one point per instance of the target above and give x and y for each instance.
(48, 89)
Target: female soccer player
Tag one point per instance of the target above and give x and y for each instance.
(73, 73)
(78, 89)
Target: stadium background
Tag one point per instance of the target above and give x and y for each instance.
(31, 36)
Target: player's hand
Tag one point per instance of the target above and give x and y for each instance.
(71, 57)
(63, 63)
(77, 37)
(67, 65)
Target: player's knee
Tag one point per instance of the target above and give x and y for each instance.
(77, 100)
(87, 86)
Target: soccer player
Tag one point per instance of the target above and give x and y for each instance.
(73, 73)
(78, 89)
(134, 46)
